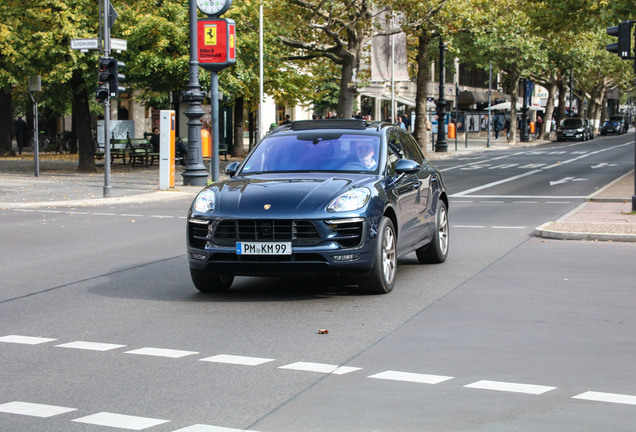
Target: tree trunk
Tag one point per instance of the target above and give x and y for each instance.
(6, 122)
(82, 122)
(549, 109)
(420, 131)
(514, 80)
(348, 86)
(237, 147)
(561, 109)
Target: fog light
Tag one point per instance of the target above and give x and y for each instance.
(198, 256)
(348, 257)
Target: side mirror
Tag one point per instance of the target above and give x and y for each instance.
(407, 166)
(230, 170)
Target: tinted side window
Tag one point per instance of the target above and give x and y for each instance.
(411, 149)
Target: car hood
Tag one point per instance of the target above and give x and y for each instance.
(279, 197)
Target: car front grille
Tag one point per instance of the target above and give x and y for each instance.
(347, 233)
(300, 233)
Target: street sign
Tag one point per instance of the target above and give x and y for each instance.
(118, 44)
(84, 44)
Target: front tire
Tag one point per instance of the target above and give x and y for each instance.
(437, 250)
(207, 281)
(382, 277)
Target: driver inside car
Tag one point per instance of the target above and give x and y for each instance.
(365, 154)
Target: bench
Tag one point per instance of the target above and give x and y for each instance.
(118, 150)
(141, 151)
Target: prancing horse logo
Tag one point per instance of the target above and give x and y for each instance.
(267, 206)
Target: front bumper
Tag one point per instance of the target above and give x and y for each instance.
(339, 247)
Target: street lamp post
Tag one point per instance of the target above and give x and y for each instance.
(525, 136)
(195, 173)
(441, 144)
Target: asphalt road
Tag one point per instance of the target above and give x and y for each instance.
(101, 328)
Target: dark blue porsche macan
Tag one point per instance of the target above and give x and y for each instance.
(321, 197)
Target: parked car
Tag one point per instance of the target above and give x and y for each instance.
(573, 129)
(612, 127)
(321, 197)
(622, 120)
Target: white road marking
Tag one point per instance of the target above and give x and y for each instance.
(565, 180)
(27, 340)
(529, 173)
(120, 421)
(320, 367)
(208, 428)
(104, 214)
(161, 352)
(607, 397)
(525, 202)
(33, 409)
(50, 211)
(469, 226)
(508, 227)
(237, 360)
(411, 377)
(510, 387)
(91, 346)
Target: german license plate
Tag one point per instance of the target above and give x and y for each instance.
(263, 248)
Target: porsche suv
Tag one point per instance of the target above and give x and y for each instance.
(320, 197)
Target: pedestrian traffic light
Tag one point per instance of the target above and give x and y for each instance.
(102, 93)
(623, 46)
(109, 76)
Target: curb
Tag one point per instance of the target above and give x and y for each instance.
(544, 232)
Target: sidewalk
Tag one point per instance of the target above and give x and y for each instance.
(606, 216)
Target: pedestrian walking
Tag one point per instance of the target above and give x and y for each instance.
(19, 129)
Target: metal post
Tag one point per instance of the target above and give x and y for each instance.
(195, 173)
(634, 196)
(107, 185)
(457, 114)
(571, 86)
(214, 118)
(489, 104)
(525, 136)
(441, 145)
(259, 124)
(393, 119)
(36, 136)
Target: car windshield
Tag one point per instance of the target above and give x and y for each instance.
(572, 123)
(314, 151)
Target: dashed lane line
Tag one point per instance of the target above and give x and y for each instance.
(162, 352)
(33, 409)
(320, 367)
(237, 360)
(607, 397)
(26, 340)
(90, 346)
(120, 421)
(411, 377)
(510, 387)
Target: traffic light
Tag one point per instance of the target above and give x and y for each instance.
(102, 93)
(109, 76)
(623, 46)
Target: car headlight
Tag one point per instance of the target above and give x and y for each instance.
(350, 200)
(205, 201)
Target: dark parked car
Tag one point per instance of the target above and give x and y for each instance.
(573, 129)
(321, 197)
(622, 120)
(611, 127)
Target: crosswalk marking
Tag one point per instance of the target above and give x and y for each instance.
(237, 360)
(411, 377)
(162, 352)
(27, 340)
(33, 409)
(320, 367)
(92, 346)
(607, 397)
(510, 387)
(120, 421)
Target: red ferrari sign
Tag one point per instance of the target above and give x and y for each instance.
(216, 43)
